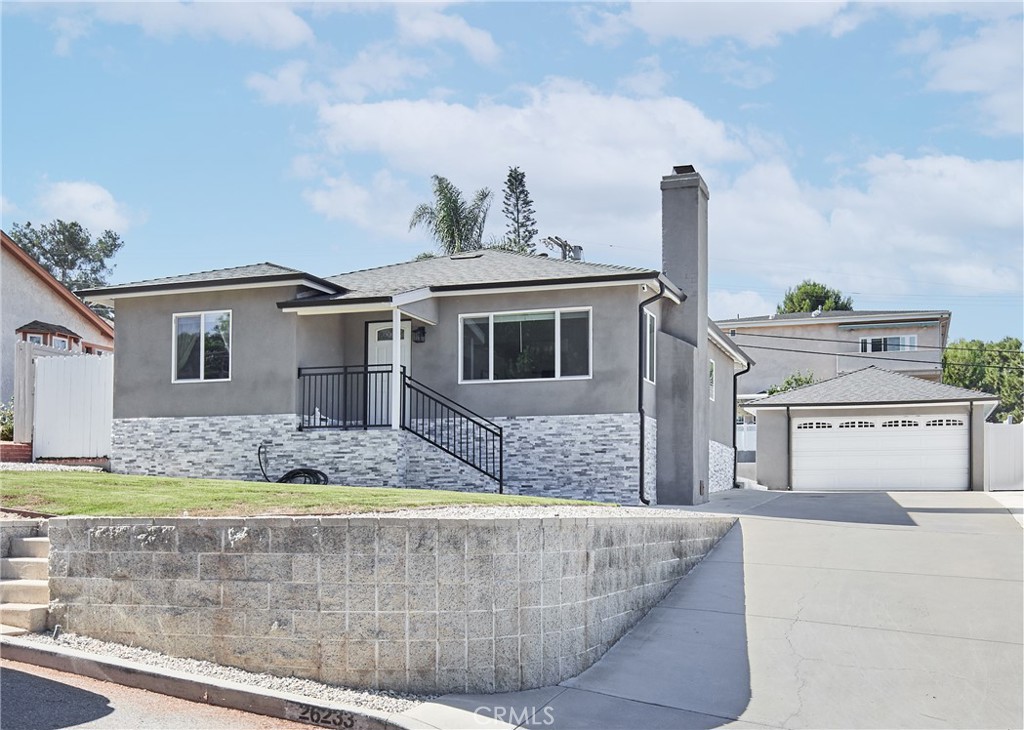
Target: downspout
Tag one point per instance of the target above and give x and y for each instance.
(735, 407)
(640, 381)
(789, 451)
(970, 447)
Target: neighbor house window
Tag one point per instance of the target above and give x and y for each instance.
(900, 343)
(711, 378)
(650, 345)
(60, 343)
(202, 346)
(35, 339)
(541, 345)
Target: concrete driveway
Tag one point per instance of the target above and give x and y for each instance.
(898, 610)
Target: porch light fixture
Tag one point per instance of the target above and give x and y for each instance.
(419, 334)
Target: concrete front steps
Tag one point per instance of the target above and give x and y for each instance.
(24, 586)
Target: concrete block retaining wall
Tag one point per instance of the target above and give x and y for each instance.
(593, 457)
(407, 604)
(721, 467)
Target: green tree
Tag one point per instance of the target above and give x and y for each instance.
(521, 228)
(455, 224)
(69, 252)
(792, 382)
(808, 295)
(991, 367)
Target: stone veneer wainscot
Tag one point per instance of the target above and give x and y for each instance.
(425, 605)
(593, 457)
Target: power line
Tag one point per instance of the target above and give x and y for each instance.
(846, 342)
(874, 356)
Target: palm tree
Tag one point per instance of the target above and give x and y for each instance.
(455, 224)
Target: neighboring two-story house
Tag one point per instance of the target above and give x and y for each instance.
(828, 344)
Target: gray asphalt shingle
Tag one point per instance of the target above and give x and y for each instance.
(871, 385)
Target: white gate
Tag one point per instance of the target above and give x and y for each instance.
(1004, 460)
(74, 406)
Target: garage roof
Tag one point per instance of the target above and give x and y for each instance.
(869, 386)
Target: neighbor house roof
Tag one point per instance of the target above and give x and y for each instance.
(482, 269)
(725, 343)
(838, 316)
(868, 386)
(59, 289)
(265, 274)
(35, 326)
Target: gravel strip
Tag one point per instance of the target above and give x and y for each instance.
(382, 701)
(533, 512)
(18, 466)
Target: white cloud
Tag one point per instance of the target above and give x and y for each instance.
(90, 204)
(7, 208)
(737, 71)
(68, 29)
(723, 304)
(423, 24)
(649, 78)
(755, 24)
(287, 85)
(263, 24)
(911, 224)
(989, 65)
(591, 159)
(376, 69)
(384, 204)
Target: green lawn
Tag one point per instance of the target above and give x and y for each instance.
(117, 495)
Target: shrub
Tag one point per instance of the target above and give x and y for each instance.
(7, 420)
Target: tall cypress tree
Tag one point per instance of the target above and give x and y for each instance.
(518, 209)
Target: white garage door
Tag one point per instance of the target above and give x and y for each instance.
(897, 452)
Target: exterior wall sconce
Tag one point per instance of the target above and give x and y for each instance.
(419, 334)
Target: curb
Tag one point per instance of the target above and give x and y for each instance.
(220, 693)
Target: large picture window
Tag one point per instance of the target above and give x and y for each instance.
(202, 346)
(541, 345)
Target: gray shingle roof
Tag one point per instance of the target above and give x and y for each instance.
(471, 268)
(55, 329)
(265, 272)
(836, 314)
(871, 385)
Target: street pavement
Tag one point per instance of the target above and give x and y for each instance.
(881, 610)
(36, 698)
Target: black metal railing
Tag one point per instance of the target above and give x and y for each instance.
(345, 397)
(454, 429)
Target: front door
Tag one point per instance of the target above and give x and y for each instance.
(379, 352)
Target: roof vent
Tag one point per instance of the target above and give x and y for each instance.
(684, 169)
(542, 255)
(816, 312)
(465, 255)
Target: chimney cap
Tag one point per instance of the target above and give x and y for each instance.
(683, 169)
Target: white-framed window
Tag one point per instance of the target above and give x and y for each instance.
(546, 344)
(650, 346)
(711, 379)
(813, 425)
(59, 343)
(201, 346)
(35, 339)
(898, 343)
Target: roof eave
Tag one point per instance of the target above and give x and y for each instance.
(108, 294)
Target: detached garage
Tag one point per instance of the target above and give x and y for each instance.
(872, 429)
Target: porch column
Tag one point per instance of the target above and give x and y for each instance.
(396, 369)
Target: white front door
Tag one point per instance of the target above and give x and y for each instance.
(379, 351)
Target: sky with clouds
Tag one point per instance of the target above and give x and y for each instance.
(876, 147)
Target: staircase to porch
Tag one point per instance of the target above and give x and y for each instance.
(359, 397)
(24, 585)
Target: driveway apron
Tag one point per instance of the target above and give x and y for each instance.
(883, 610)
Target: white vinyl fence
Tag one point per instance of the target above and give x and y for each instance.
(1004, 456)
(746, 437)
(64, 402)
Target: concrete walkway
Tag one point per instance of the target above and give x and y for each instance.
(899, 610)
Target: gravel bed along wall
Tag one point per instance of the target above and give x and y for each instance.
(721, 474)
(416, 604)
(41, 466)
(382, 701)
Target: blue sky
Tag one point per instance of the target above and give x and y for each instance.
(875, 147)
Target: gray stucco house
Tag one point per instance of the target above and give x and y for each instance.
(873, 429)
(537, 375)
